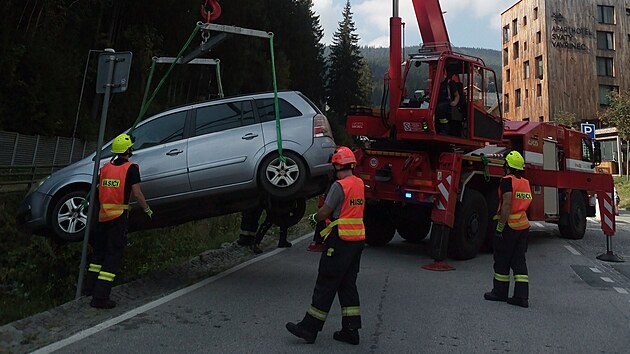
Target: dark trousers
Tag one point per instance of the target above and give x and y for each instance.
(337, 275)
(249, 220)
(108, 243)
(264, 227)
(509, 253)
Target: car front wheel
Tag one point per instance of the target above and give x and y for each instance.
(282, 179)
(69, 217)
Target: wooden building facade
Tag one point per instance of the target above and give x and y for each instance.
(563, 57)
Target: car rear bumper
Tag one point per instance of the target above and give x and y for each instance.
(31, 215)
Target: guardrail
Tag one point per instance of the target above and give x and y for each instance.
(25, 176)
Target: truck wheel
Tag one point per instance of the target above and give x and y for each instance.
(379, 230)
(471, 224)
(68, 220)
(282, 179)
(414, 223)
(576, 226)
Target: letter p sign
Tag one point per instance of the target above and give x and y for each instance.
(588, 129)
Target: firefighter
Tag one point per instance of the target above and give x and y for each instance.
(344, 240)
(118, 179)
(510, 239)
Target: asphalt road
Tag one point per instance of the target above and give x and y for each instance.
(578, 304)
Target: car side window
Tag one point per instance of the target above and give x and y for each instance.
(159, 131)
(266, 109)
(224, 116)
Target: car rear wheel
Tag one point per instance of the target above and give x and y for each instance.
(69, 217)
(282, 179)
(288, 213)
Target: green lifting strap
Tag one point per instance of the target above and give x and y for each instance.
(275, 101)
(146, 103)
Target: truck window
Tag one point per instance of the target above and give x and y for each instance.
(587, 150)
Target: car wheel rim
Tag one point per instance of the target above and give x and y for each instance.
(72, 217)
(282, 174)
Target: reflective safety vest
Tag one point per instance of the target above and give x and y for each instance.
(350, 221)
(111, 191)
(521, 199)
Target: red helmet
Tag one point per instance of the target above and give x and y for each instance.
(343, 156)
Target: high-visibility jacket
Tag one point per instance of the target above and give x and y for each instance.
(350, 222)
(521, 199)
(111, 193)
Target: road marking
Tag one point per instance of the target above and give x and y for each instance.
(539, 224)
(621, 290)
(595, 270)
(573, 250)
(607, 280)
(151, 305)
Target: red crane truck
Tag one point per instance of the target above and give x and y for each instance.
(418, 179)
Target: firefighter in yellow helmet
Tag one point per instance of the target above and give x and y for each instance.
(118, 179)
(510, 240)
(344, 240)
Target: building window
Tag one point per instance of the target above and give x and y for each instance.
(604, 90)
(506, 33)
(538, 37)
(535, 13)
(507, 75)
(524, 20)
(526, 69)
(524, 46)
(627, 11)
(514, 27)
(604, 66)
(515, 49)
(605, 40)
(526, 93)
(505, 56)
(539, 67)
(538, 90)
(517, 97)
(506, 103)
(606, 14)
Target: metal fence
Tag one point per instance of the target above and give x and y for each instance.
(35, 150)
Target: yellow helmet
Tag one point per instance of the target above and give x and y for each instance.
(121, 144)
(515, 160)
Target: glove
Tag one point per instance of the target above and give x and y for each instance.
(498, 233)
(312, 221)
(149, 212)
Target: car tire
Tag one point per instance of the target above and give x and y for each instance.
(282, 179)
(68, 223)
(288, 213)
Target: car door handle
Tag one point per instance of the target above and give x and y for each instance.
(249, 136)
(174, 152)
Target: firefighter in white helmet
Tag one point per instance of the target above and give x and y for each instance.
(510, 240)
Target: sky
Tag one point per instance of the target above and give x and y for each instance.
(470, 23)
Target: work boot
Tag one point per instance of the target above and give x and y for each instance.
(518, 302)
(298, 330)
(347, 335)
(102, 303)
(284, 244)
(491, 296)
(256, 249)
(246, 240)
(315, 247)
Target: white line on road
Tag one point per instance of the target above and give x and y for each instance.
(621, 290)
(151, 305)
(607, 280)
(573, 250)
(539, 224)
(595, 270)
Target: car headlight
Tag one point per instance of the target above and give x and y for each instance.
(37, 185)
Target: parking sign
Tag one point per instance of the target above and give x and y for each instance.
(589, 129)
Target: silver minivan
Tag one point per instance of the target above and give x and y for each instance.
(202, 160)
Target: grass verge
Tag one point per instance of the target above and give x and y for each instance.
(623, 188)
(37, 274)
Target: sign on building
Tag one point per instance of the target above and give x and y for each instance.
(589, 129)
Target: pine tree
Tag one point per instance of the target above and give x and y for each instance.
(348, 81)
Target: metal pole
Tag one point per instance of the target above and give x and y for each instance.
(35, 153)
(15, 146)
(97, 162)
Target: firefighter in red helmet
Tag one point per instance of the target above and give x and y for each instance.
(344, 240)
(510, 240)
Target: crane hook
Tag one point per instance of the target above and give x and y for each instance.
(210, 10)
